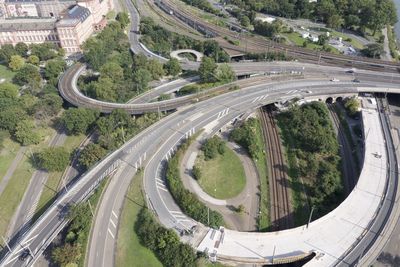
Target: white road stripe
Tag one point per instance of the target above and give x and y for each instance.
(160, 184)
(112, 222)
(113, 213)
(109, 231)
(162, 189)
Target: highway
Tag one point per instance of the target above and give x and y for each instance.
(169, 131)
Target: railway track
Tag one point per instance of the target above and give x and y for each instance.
(280, 206)
(349, 172)
(259, 44)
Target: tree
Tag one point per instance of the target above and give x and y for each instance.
(105, 89)
(67, 254)
(113, 71)
(352, 106)
(142, 77)
(245, 21)
(79, 120)
(44, 51)
(172, 67)
(28, 75)
(16, 62)
(123, 18)
(212, 147)
(335, 21)
(207, 69)
(52, 159)
(224, 73)
(26, 133)
(8, 90)
(49, 105)
(374, 50)
(53, 69)
(34, 60)
(91, 154)
(10, 117)
(155, 68)
(196, 172)
(6, 51)
(21, 49)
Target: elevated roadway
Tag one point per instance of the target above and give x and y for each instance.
(158, 141)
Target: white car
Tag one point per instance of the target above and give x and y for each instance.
(335, 80)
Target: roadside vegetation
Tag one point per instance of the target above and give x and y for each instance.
(130, 252)
(393, 46)
(186, 200)
(314, 161)
(249, 135)
(118, 75)
(219, 170)
(162, 41)
(72, 250)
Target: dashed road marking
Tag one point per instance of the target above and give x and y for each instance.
(109, 231)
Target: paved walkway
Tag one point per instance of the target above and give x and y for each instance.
(176, 53)
(387, 56)
(11, 169)
(248, 197)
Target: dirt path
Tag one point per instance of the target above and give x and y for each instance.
(11, 169)
(246, 221)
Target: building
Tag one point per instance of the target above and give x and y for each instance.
(63, 22)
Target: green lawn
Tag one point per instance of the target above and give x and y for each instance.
(222, 177)
(353, 42)
(296, 38)
(129, 251)
(7, 155)
(15, 189)
(6, 73)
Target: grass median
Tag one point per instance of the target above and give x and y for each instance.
(129, 250)
(222, 177)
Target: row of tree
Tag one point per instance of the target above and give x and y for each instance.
(162, 41)
(309, 134)
(188, 201)
(357, 15)
(163, 242)
(247, 135)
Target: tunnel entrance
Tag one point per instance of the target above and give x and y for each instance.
(329, 100)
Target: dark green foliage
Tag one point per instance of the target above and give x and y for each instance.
(269, 56)
(172, 67)
(373, 50)
(52, 159)
(66, 254)
(212, 147)
(49, 105)
(187, 200)
(91, 154)
(308, 132)
(79, 120)
(28, 75)
(196, 172)
(6, 51)
(247, 136)
(44, 51)
(98, 50)
(268, 29)
(161, 41)
(21, 49)
(53, 69)
(204, 5)
(123, 18)
(163, 242)
(357, 15)
(207, 70)
(26, 133)
(188, 89)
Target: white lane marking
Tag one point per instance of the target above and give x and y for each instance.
(112, 222)
(27, 241)
(160, 184)
(255, 99)
(162, 189)
(109, 231)
(115, 215)
(175, 212)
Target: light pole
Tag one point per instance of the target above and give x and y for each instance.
(309, 218)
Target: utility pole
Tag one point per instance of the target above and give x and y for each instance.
(6, 242)
(273, 255)
(309, 218)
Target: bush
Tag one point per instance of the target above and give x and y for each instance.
(187, 200)
(248, 137)
(196, 172)
(52, 159)
(163, 242)
(212, 147)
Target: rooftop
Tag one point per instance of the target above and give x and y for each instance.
(27, 24)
